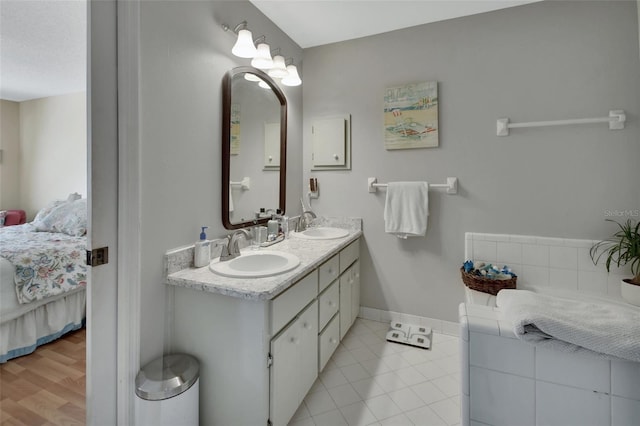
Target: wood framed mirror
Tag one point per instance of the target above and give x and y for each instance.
(254, 147)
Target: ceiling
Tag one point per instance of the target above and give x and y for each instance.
(43, 46)
(316, 22)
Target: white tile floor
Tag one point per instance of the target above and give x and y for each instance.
(370, 381)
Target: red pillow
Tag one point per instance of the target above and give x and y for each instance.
(15, 217)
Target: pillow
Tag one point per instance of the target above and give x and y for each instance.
(68, 218)
(44, 212)
(74, 196)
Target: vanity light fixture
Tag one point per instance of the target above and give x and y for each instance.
(244, 47)
(263, 59)
(279, 69)
(292, 78)
(270, 61)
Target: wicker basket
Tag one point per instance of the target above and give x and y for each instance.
(486, 285)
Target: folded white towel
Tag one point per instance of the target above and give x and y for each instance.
(573, 326)
(406, 210)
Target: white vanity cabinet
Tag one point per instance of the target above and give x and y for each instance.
(349, 297)
(349, 286)
(259, 358)
(294, 364)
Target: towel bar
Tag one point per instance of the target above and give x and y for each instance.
(451, 186)
(244, 184)
(616, 120)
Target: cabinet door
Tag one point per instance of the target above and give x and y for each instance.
(328, 272)
(355, 291)
(271, 145)
(295, 365)
(345, 302)
(328, 341)
(328, 304)
(307, 351)
(284, 398)
(328, 142)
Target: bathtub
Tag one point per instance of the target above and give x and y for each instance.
(505, 381)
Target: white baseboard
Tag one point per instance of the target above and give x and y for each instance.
(438, 326)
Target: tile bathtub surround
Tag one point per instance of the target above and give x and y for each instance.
(513, 382)
(561, 263)
(370, 381)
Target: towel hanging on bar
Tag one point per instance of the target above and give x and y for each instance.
(406, 209)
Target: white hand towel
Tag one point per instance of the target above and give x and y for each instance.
(406, 210)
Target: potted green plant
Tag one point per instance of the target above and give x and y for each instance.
(622, 248)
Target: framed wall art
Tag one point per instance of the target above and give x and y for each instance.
(411, 116)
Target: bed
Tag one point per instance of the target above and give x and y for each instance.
(43, 278)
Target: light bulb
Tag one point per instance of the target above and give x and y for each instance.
(251, 77)
(292, 79)
(279, 69)
(262, 60)
(244, 47)
(264, 85)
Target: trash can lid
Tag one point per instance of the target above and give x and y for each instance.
(167, 376)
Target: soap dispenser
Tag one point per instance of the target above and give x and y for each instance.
(272, 228)
(202, 253)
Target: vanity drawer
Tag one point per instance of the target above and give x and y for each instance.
(329, 271)
(349, 254)
(287, 305)
(329, 340)
(329, 303)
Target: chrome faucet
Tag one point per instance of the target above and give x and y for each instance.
(231, 250)
(303, 222)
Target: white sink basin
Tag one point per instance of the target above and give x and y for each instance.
(254, 264)
(322, 233)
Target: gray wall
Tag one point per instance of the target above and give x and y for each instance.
(544, 61)
(184, 55)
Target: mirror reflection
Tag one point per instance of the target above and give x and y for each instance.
(253, 148)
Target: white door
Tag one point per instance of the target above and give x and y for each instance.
(113, 324)
(102, 151)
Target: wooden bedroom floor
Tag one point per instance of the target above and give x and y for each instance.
(46, 387)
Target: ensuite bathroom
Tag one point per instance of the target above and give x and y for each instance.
(431, 225)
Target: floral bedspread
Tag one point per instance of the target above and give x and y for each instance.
(46, 263)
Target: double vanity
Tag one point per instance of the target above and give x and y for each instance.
(262, 340)
(263, 323)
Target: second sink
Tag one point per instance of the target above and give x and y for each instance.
(322, 233)
(255, 264)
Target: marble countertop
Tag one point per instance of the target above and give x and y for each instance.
(312, 253)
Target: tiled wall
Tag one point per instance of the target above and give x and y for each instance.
(546, 262)
(505, 381)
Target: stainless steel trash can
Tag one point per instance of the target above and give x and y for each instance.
(168, 391)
